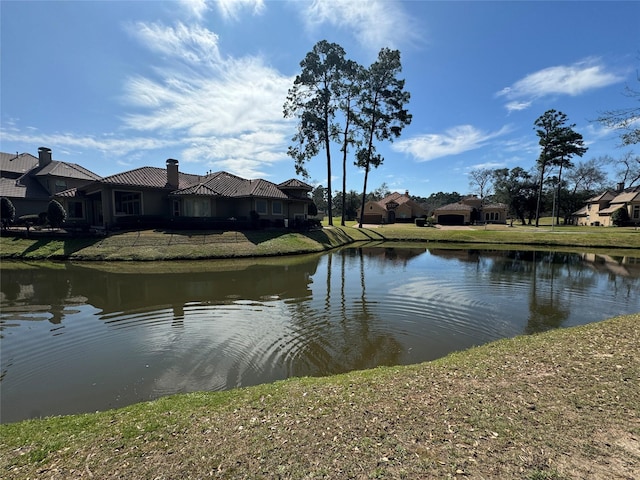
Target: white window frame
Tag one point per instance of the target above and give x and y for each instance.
(273, 208)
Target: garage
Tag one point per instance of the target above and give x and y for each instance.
(451, 219)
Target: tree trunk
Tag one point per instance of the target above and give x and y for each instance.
(364, 192)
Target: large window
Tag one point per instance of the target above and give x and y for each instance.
(75, 209)
(127, 203)
(197, 207)
(636, 212)
(276, 208)
(261, 207)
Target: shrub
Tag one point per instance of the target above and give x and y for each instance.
(56, 214)
(8, 213)
(620, 217)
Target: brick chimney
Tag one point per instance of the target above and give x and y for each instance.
(44, 156)
(620, 188)
(172, 173)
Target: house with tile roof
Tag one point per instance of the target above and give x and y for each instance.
(471, 210)
(395, 207)
(30, 183)
(598, 210)
(156, 197)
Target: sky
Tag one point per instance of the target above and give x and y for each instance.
(116, 85)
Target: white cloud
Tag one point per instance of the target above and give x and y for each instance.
(192, 44)
(230, 8)
(454, 141)
(375, 24)
(485, 166)
(108, 145)
(570, 80)
(227, 112)
(196, 8)
(516, 106)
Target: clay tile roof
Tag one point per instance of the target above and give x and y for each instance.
(25, 187)
(154, 177)
(17, 164)
(295, 183)
(455, 207)
(266, 189)
(68, 170)
(627, 196)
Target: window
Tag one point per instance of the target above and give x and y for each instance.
(176, 208)
(261, 207)
(75, 209)
(61, 185)
(276, 208)
(127, 203)
(197, 207)
(636, 212)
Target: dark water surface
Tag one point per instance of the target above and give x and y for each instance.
(79, 338)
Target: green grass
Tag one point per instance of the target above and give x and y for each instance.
(559, 405)
(166, 245)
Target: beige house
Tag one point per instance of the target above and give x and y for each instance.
(156, 197)
(391, 209)
(598, 209)
(470, 210)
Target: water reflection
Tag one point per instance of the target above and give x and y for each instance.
(91, 337)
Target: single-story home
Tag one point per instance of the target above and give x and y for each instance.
(30, 183)
(152, 196)
(471, 210)
(392, 208)
(597, 210)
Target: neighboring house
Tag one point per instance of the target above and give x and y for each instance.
(30, 183)
(470, 210)
(155, 196)
(392, 208)
(598, 210)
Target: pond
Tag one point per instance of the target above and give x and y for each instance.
(86, 337)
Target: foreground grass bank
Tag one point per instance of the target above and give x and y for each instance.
(560, 405)
(179, 245)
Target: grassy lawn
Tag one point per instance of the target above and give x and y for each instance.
(559, 405)
(168, 245)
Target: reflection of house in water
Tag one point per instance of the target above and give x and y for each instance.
(49, 291)
(461, 255)
(391, 254)
(620, 265)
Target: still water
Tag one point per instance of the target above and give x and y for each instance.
(79, 338)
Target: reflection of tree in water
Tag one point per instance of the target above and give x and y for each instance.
(552, 277)
(546, 308)
(342, 339)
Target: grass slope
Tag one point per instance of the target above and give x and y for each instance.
(559, 405)
(179, 245)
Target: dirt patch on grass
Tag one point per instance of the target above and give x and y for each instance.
(560, 405)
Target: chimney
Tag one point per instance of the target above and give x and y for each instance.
(44, 156)
(406, 193)
(172, 173)
(620, 187)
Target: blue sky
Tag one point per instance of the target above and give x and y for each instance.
(119, 85)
